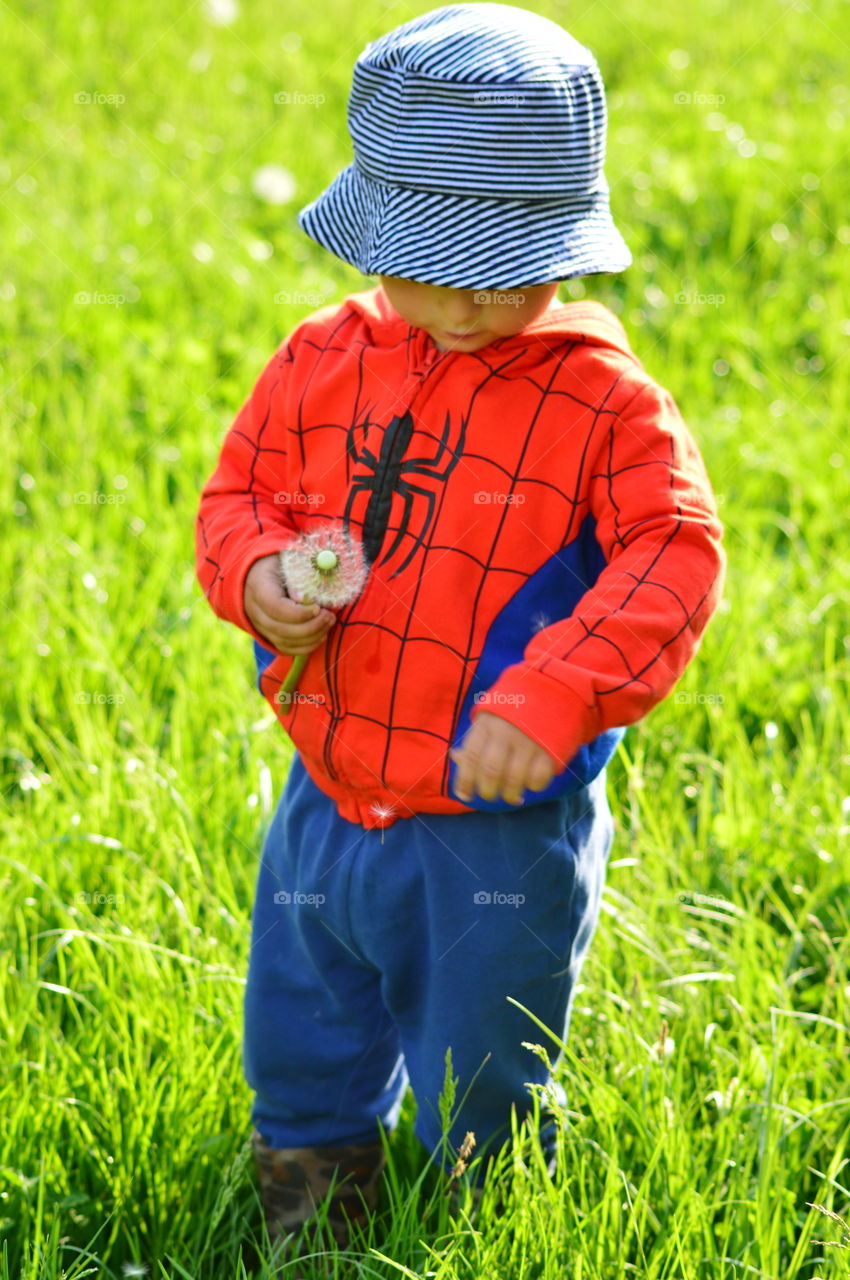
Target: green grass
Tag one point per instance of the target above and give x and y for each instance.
(140, 764)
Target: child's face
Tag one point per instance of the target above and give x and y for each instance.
(466, 319)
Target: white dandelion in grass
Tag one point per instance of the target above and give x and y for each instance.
(326, 567)
(664, 1046)
(221, 12)
(274, 184)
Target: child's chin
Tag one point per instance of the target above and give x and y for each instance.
(471, 342)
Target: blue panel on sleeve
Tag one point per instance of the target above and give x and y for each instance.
(549, 595)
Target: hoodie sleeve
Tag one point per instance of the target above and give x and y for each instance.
(635, 630)
(243, 513)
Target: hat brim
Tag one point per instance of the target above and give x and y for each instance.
(466, 242)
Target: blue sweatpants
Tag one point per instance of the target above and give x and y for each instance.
(372, 951)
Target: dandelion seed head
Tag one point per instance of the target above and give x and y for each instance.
(273, 183)
(665, 1045)
(325, 566)
(221, 12)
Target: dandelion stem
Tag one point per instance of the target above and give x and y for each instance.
(293, 675)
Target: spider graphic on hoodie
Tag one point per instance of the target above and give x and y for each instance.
(390, 472)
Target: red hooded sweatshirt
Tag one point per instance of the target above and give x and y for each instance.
(542, 538)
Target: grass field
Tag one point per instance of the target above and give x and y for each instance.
(143, 285)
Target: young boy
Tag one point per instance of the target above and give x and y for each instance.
(544, 555)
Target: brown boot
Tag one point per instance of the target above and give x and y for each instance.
(295, 1180)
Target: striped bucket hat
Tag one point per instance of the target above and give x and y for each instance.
(479, 141)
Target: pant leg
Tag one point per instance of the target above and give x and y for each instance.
(477, 907)
(320, 1050)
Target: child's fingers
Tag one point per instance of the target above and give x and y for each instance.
(291, 627)
(515, 772)
(540, 772)
(481, 769)
(508, 773)
(490, 780)
(288, 613)
(464, 776)
(284, 610)
(292, 637)
(490, 774)
(479, 763)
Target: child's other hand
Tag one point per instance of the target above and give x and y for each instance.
(497, 759)
(289, 627)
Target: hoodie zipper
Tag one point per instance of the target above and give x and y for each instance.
(425, 359)
(426, 355)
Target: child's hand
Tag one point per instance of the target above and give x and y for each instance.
(496, 759)
(289, 627)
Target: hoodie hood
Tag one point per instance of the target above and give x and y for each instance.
(587, 321)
